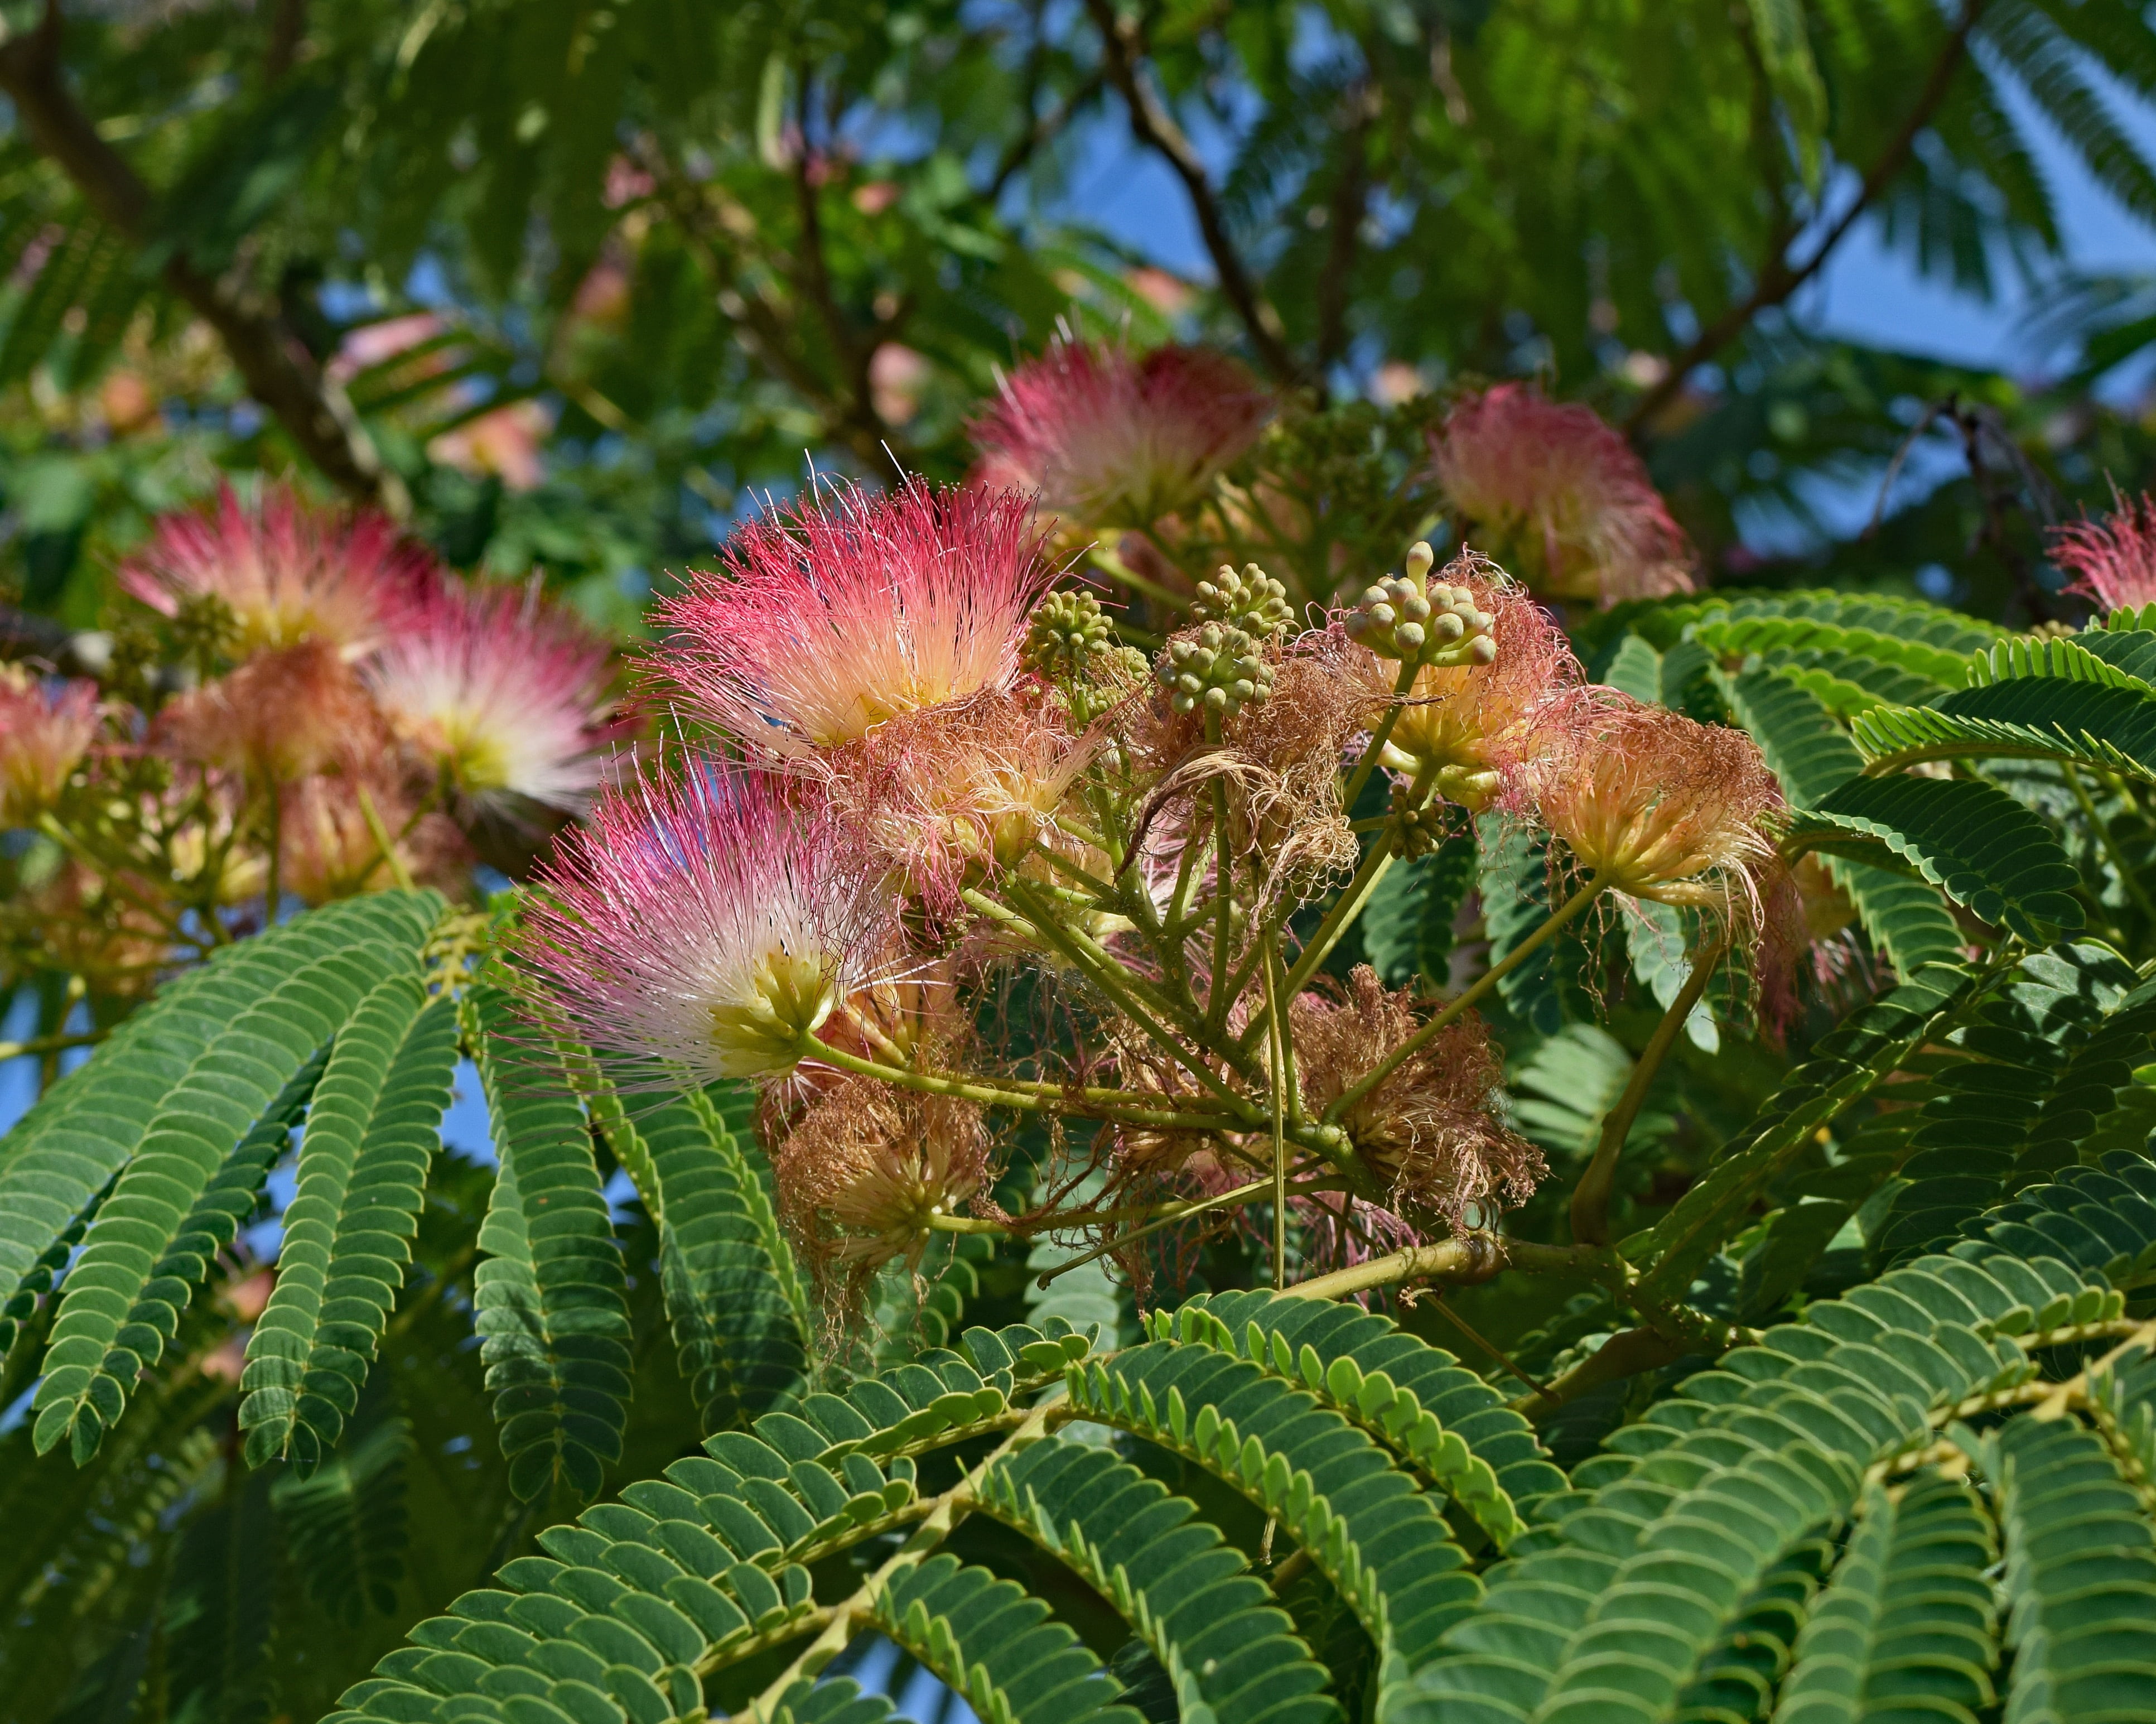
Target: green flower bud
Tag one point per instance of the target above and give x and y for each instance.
(1219, 667)
(1067, 631)
(1252, 601)
(1398, 618)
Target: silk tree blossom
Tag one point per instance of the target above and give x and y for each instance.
(1108, 437)
(45, 729)
(288, 572)
(707, 928)
(1471, 726)
(829, 619)
(282, 715)
(2112, 561)
(1657, 805)
(1577, 515)
(963, 792)
(501, 692)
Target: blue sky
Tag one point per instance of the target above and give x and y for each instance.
(1864, 293)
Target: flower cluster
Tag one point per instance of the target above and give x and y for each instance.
(308, 705)
(912, 770)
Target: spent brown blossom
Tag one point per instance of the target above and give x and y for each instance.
(869, 1168)
(1429, 1130)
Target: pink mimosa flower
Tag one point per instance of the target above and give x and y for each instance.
(501, 691)
(287, 571)
(1573, 506)
(45, 729)
(2112, 561)
(706, 928)
(829, 620)
(1109, 438)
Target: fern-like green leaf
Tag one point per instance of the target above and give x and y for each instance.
(1983, 849)
(1845, 1065)
(1407, 926)
(345, 1525)
(81, 1132)
(363, 1159)
(1228, 1652)
(1907, 1621)
(2043, 1062)
(988, 1640)
(2080, 1576)
(732, 1293)
(553, 1315)
(116, 1312)
(708, 1567)
(1416, 1399)
(218, 1610)
(2088, 723)
(1380, 1540)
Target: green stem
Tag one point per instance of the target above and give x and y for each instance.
(1113, 980)
(1590, 1198)
(1564, 915)
(1465, 1258)
(1350, 904)
(1110, 564)
(1174, 1212)
(1270, 959)
(2128, 877)
(1368, 763)
(964, 1224)
(380, 833)
(994, 1095)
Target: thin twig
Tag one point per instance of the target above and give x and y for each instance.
(1590, 1198)
(276, 366)
(1122, 50)
(1781, 278)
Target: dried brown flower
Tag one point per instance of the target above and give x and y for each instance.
(1429, 1128)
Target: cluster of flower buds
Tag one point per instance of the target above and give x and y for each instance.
(1252, 601)
(1065, 632)
(1416, 829)
(1404, 618)
(1218, 667)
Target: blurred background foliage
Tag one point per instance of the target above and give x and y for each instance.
(568, 282)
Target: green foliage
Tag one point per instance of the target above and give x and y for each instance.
(235, 1038)
(371, 1130)
(550, 1311)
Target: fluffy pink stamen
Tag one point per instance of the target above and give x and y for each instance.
(501, 690)
(2112, 561)
(1566, 491)
(289, 571)
(45, 728)
(705, 928)
(1112, 438)
(828, 620)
